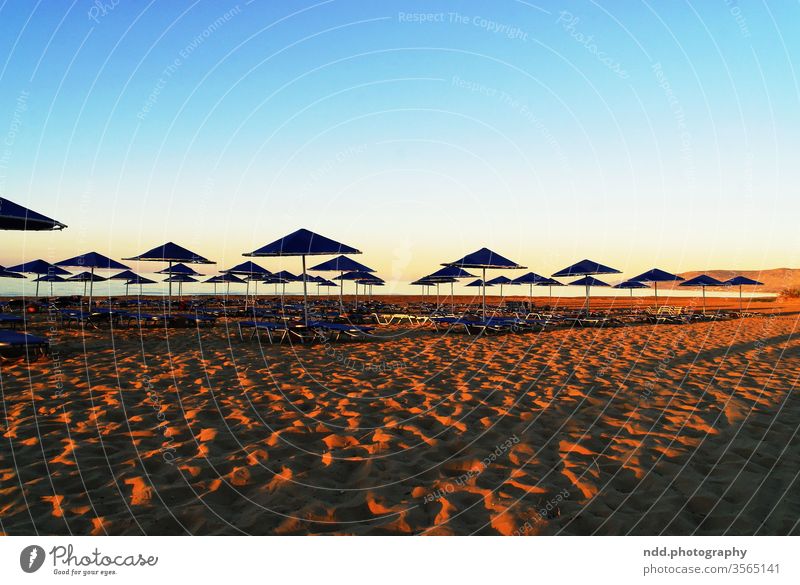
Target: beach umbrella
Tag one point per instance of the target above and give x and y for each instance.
(127, 276)
(630, 285)
(424, 284)
(448, 274)
(179, 268)
(341, 264)
(550, 283)
(51, 278)
(304, 243)
(180, 279)
(140, 280)
(92, 260)
(502, 281)
(227, 278)
(531, 279)
(655, 276)
(248, 270)
(702, 281)
(588, 282)
(86, 278)
(171, 253)
(39, 268)
(14, 216)
(325, 283)
(5, 273)
(485, 259)
(373, 280)
(741, 281)
(586, 268)
(356, 276)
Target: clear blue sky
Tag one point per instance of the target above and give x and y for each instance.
(638, 134)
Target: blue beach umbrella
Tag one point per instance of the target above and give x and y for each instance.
(39, 268)
(14, 216)
(630, 285)
(179, 268)
(248, 270)
(702, 281)
(171, 253)
(51, 278)
(588, 282)
(502, 281)
(92, 260)
(484, 259)
(531, 279)
(448, 274)
(586, 268)
(741, 281)
(341, 264)
(127, 276)
(550, 283)
(86, 278)
(140, 280)
(303, 243)
(654, 276)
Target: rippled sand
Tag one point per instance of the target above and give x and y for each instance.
(672, 429)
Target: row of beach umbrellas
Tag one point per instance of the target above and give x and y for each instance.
(305, 243)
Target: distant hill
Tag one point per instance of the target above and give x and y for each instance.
(775, 279)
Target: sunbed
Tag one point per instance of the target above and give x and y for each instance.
(11, 321)
(16, 343)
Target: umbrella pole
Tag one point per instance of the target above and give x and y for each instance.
(305, 294)
(740, 299)
(51, 288)
(437, 296)
(91, 289)
(126, 289)
(483, 285)
(169, 293)
(37, 289)
(655, 284)
(704, 300)
(587, 300)
(341, 292)
(530, 297)
(246, 293)
(84, 288)
(452, 299)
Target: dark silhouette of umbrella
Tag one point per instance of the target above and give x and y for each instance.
(550, 283)
(485, 259)
(227, 277)
(5, 273)
(586, 268)
(341, 264)
(180, 279)
(741, 281)
(630, 285)
(304, 243)
(502, 281)
(448, 274)
(40, 268)
(14, 216)
(702, 281)
(127, 276)
(86, 278)
(140, 280)
(51, 278)
(92, 260)
(356, 276)
(171, 253)
(588, 282)
(179, 268)
(248, 270)
(531, 279)
(654, 276)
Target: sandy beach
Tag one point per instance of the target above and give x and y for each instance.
(645, 429)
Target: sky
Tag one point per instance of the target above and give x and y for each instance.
(637, 134)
